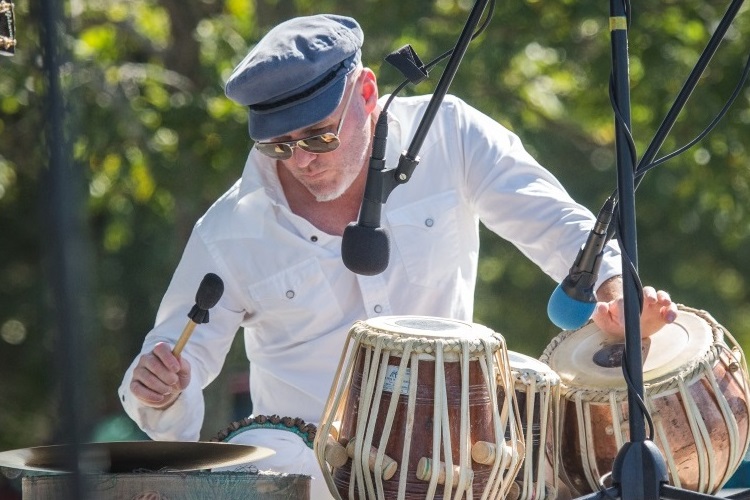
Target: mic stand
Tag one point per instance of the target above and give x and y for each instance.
(639, 461)
(385, 180)
(639, 470)
(360, 238)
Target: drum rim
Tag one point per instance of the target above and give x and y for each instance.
(525, 373)
(371, 332)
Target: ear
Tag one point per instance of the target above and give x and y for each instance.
(369, 89)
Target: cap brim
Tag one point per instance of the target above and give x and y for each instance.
(265, 125)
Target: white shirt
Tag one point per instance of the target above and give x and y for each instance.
(286, 285)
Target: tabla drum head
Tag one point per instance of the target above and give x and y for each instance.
(590, 358)
(521, 363)
(427, 326)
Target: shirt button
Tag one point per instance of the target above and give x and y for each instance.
(429, 222)
(313, 238)
(378, 309)
(290, 294)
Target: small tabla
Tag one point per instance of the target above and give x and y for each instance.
(696, 390)
(537, 389)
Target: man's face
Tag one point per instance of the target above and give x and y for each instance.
(328, 175)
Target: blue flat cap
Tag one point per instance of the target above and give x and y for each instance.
(295, 76)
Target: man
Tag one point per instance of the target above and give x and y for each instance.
(275, 236)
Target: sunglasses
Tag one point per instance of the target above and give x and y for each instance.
(318, 144)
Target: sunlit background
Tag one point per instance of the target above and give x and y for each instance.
(154, 141)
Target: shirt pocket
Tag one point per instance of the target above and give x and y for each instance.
(298, 301)
(425, 235)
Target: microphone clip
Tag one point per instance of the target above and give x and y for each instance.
(579, 284)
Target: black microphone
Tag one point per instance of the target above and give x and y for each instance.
(209, 292)
(365, 247)
(573, 301)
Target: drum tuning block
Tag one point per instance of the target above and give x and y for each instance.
(425, 470)
(487, 453)
(335, 453)
(389, 465)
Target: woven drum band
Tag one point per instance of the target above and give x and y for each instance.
(425, 335)
(294, 425)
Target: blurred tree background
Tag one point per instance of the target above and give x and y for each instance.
(155, 141)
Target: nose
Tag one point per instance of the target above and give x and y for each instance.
(301, 158)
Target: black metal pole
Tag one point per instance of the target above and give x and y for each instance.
(690, 83)
(66, 253)
(639, 469)
(410, 158)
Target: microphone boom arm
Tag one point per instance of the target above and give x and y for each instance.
(381, 181)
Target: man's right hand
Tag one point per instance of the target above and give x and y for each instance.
(160, 377)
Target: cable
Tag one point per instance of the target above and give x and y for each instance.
(641, 171)
(444, 55)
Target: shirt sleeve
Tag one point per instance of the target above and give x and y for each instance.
(521, 201)
(206, 349)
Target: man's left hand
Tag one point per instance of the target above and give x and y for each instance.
(658, 310)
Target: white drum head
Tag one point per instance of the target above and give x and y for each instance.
(522, 362)
(427, 326)
(589, 358)
(425, 334)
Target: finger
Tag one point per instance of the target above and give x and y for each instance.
(669, 313)
(184, 374)
(144, 393)
(663, 297)
(602, 309)
(163, 351)
(157, 367)
(649, 294)
(617, 310)
(161, 382)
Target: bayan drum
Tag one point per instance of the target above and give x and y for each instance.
(537, 389)
(413, 400)
(695, 389)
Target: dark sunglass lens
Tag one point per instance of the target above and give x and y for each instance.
(278, 151)
(324, 143)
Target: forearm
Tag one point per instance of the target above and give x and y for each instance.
(610, 289)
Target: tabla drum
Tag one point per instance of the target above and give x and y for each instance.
(412, 398)
(695, 389)
(537, 389)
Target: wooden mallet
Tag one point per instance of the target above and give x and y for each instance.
(208, 294)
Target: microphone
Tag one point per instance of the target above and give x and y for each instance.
(208, 294)
(365, 247)
(573, 301)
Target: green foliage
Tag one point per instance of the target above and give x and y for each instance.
(156, 142)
